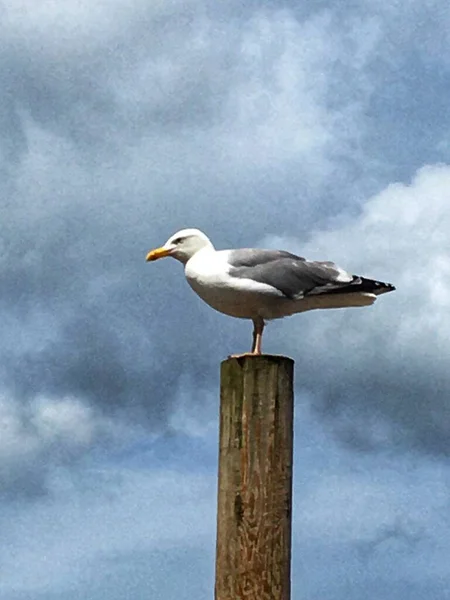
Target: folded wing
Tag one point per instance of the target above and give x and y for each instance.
(295, 277)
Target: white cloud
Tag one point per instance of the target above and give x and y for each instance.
(67, 419)
(392, 355)
(46, 434)
(74, 26)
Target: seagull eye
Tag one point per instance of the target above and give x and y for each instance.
(177, 241)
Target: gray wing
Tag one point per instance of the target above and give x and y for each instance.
(292, 275)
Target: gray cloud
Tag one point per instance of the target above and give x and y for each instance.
(121, 122)
(119, 128)
(120, 125)
(397, 534)
(372, 521)
(54, 544)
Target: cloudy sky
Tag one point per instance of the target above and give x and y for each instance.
(319, 127)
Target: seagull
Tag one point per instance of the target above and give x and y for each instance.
(257, 284)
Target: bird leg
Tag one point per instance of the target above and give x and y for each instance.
(258, 327)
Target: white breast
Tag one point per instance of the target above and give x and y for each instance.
(207, 272)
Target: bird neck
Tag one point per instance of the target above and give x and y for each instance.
(198, 254)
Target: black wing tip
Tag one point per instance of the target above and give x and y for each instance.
(378, 287)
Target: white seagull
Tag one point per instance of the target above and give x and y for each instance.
(260, 285)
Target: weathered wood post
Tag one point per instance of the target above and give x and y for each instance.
(253, 556)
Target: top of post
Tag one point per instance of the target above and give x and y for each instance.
(257, 359)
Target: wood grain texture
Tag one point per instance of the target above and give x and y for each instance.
(253, 552)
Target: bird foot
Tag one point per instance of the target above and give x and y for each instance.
(244, 354)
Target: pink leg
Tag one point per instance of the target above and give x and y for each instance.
(258, 328)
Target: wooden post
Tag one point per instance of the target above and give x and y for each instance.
(255, 479)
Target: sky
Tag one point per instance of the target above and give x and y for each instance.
(319, 127)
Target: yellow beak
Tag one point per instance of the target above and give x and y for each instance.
(157, 253)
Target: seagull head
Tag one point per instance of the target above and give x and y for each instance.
(182, 245)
